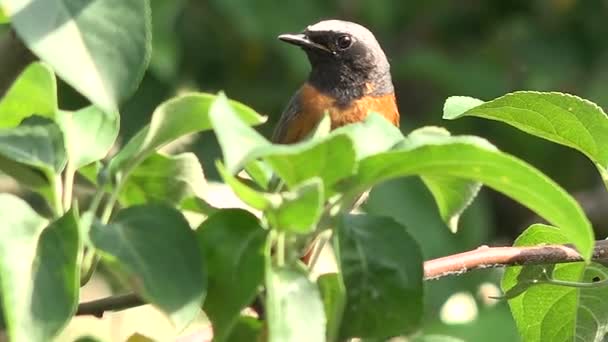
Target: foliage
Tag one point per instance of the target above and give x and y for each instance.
(135, 221)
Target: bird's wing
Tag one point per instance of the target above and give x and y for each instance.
(284, 128)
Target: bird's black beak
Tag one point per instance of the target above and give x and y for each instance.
(302, 40)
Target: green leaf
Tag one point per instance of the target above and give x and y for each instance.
(331, 158)
(334, 300)
(155, 249)
(75, 43)
(260, 173)
(246, 329)
(291, 297)
(89, 134)
(33, 92)
(174, 118)
(25, 175)
(253, 198)
(381, 266)
(373, 135)
(3, 17)
(470, 158)
(545, 312)
(561, 118)
(232, 242)
(38, 268)
(54, 296)
(38, 144)
(299, 210)
(592, 313)
(237, 140)
(165, 179)
(452, 195)
(295, 211)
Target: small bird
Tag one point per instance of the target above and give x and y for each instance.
(349, 78)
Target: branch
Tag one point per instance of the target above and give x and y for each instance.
(490, 257)
(482, 257)
(114, 303)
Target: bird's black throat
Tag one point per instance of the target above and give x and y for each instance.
(349, 81)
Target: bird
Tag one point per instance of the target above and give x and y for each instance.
(349, 78)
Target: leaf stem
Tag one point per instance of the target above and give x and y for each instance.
(57, 190)
(68, 185)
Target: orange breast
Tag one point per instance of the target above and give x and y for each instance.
(313, 105)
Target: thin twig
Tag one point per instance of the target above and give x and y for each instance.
(114, 303)
(489, 257)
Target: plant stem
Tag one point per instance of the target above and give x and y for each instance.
(57, 190)
(68, 185)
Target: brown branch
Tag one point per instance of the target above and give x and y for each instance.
(489, 257)
(482, 257)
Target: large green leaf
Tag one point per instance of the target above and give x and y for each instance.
(33, 92)
(165, 179)
(172, 119)
(232, 242)
(294, 307)
(38, 269)
(155, 249)
(89, 134)
(75, 36)
(557, 313)
(561, 118)
(56, 278)
(472, 159)
(381, 266)
(37, 143)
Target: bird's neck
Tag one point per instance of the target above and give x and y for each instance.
(347, 85)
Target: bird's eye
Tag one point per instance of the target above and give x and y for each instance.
(344, 42)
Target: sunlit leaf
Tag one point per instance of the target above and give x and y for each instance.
(73, 36)
(471, 158)
(33, 92)
(562, 118)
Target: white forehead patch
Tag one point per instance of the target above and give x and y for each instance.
(354, 29)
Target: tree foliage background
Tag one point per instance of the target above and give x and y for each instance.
(437, 49)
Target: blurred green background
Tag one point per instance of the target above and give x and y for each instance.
(437, 49)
